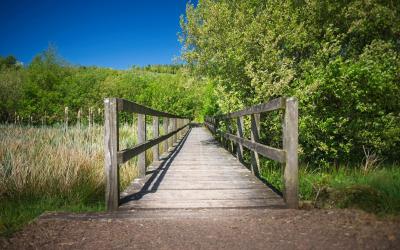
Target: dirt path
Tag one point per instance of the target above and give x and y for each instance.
(210, 229)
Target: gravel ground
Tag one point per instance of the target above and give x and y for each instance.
(210, 229)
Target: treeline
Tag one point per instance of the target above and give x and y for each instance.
(45, 87)
(341, 59)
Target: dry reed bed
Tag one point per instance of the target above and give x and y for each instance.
(52, 161)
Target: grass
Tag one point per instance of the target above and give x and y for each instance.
(52, 169)
(376, 190)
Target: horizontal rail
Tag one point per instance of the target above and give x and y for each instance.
(128, 106)
(287, 155)
(113, 157)
(270, 152)
(127, 154)
(278, 103)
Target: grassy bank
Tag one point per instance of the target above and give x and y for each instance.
(53, 169)
(376, 190)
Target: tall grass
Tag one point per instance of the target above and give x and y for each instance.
(51, 168)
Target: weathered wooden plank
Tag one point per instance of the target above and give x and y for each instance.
(278, 103)
(126, 154)
(203, 175)
(128, 106)
(208, 194)
(270, 152)
(110, 153)
(290, 145)
(156, 133)
(141, 129)
(246, 203)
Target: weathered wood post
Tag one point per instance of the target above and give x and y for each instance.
(110, 153)
(290, 144)
(78, 118)
(179, 126)
(156, 131)
(239, 133)
(89, 118)
(255, 137)
(141, 128)
(165, 127)
(230, 144)
(66, 118)
(174, 124)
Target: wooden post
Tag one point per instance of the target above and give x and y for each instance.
(255, 137)
(141, 128)
(290, 144)
(179, 125)
(174, 121)
(239, 133)
(110, 153)
(165, 126)
(156, 131)
(231, 144)
(78, 118)
(93, 117)
(66, 117)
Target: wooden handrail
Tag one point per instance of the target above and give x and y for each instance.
(113, 157)
(288, 155)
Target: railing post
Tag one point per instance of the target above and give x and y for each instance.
(290, 144)
(155, 135)
(239, 133)
(170, 129)
(165, 126)
(255, 137)
(179, 125)
(174, 121)
(141, 161)
(231, 144)
(110, 153)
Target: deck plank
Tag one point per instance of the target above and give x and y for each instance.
(201, 174)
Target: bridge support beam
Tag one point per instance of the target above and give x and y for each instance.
(290, 144)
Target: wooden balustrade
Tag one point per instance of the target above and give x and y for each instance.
(287, 156)
(114, 157)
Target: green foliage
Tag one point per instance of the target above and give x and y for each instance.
(49, 84)
(339, 58)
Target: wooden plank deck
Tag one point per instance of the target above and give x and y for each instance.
(200, 174)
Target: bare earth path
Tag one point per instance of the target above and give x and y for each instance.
(204, 199)
(210, 229)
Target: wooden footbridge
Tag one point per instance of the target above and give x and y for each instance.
(196, 170)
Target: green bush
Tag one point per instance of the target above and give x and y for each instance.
(339, 58)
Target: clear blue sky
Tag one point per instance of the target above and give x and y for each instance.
(115, 34)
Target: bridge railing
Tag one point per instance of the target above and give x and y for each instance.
(287, 156)
(172, 125)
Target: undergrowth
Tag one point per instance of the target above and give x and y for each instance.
(376, 190)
